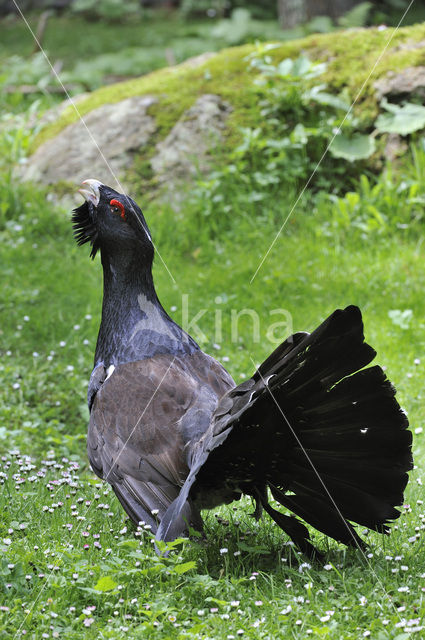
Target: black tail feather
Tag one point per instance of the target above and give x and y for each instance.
(322, 515)
(314, 423)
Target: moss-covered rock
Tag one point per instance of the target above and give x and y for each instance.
(355, 60)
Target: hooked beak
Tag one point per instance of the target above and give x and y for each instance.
(91, 192)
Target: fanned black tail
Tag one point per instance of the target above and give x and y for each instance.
(325, 435)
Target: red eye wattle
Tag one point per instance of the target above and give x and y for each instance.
(118, 208)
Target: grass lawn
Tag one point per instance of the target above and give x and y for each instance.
(72, 564)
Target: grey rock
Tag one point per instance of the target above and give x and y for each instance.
(101, 145)
(184, 152)
(410, 81)
(410, 45)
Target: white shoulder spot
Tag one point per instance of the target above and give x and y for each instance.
(109, 371)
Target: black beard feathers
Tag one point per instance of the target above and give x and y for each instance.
(85, 229)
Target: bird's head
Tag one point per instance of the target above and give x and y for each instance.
(110, 221)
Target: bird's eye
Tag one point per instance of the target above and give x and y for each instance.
(118, 208)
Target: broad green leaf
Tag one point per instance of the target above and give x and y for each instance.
(222, 603)
(105, 583)
(184, 568)
(299, 135)
(402, 120)
(133, 544)
(285, 67)
(327, 99)
(301, 66)
(354, 148)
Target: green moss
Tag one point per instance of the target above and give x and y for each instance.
(355, 59)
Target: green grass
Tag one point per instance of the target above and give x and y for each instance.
(72, 561)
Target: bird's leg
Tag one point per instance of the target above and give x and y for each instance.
(196, 524)
(260, 497)
(298, 532)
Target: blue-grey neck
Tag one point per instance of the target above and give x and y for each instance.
(134, 324)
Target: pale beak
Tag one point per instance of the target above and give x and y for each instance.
(91, 192)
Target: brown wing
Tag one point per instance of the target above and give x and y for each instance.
(144, 419)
